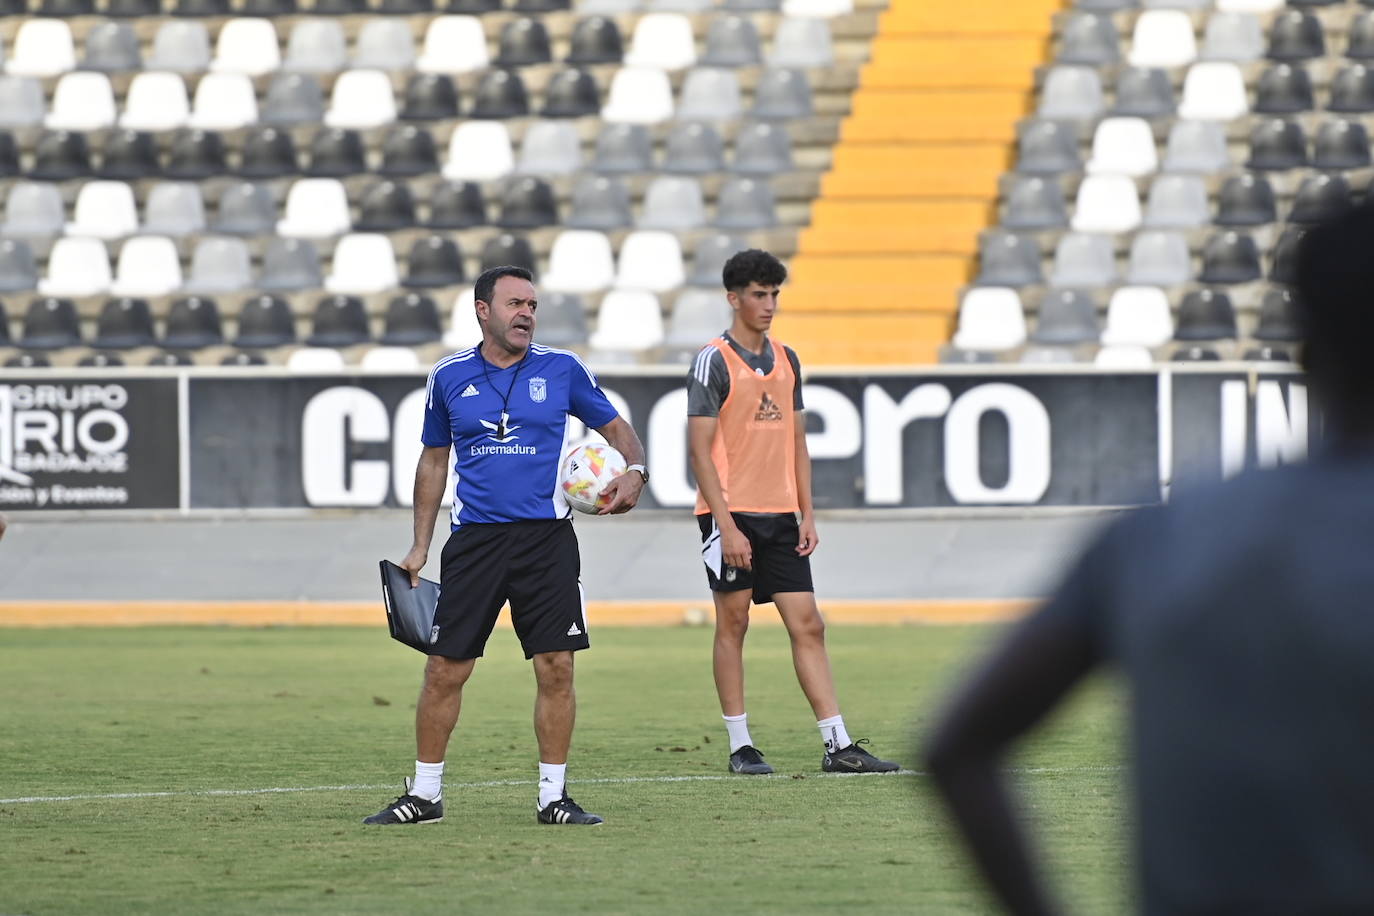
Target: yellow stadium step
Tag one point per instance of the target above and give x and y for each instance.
(1013, 16)
(946, 270)
(865, 338)
(877, 215)
(930, 157)
(961, 57)
(834, 240)
(898, 294)
(972, 183)
(904, 74)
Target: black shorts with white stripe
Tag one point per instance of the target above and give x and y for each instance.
(777, 567)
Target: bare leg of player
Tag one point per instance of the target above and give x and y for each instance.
(806, 629)
(732, 623)
(436, 712)
(555, 705)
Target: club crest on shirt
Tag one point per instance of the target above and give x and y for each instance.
(539, 389)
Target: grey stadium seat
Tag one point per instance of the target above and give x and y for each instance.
(623, 148)
(1067, 317)
(781, 95)
(1084, 259)
(1007, 259)
(246, 209)
(762, 149)
(220, 264)
(599, 202)
(693, 149)
(290, 264)
(746, 203)
(673, 203)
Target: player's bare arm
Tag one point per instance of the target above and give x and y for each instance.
(701, 432)
(808, 540)
(431, 475)
(623, 492)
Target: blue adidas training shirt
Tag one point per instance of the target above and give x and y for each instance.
(509, 472)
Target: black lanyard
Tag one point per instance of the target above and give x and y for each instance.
(505, 401)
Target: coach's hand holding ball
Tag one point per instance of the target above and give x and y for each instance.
(622, 493)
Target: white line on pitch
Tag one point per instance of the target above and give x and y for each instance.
(501, 783)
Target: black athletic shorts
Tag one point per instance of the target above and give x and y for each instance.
(777, 566)
(532, 564)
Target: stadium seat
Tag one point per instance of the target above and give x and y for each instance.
(316, 208)
(148, 266)
(60, 155)
(990, 320)
(1229, 257)
(246, 209)
(383, 44)
(693, 149)
(1177, 202)
(124, 323)
(173, 208)
(822, 9)
(1106, 203)
(732, 41)
(1352, 89)
(1158, 258)
(689, 7)
(709, 95)
(457, 205)
(479, 151)
(21, 101)
(1249, 6)
(169, 359)
(524, 41)
(802, 44)
(9, 155)
(562, 320)
(1340, 144)
(1138, 316)
(1296, 35)
(267, 152)
(18, 269)
(1071, 94)
(1213, 91)
(746, 203)
(200, 8)
(244, 358)
(1235, 37)
(629, 321)
(50, 324)
(1047, 148)
(1163, 38)
(762, 149)
(651, 261)
(220, 264)
(316, 46)
(1320, 198)
(248, 46)
(1277, 145)
(1143, 93)
(269, 9)
(361, 99)
(408, 150)
(389, 359)
(155, 102)
(607, 7)
(453, 44)
(672, 202)
(193, 323)
(387, 206)
(599, 202)
(1084, 259)
(315, 359)
(364, 263)
(339, 321)
(293, 98)
(103, 210)
(340, 7)
(662, 41)
(128, 155)
(1123, 146)
(1007, 259)
(289, 265)
(709, 257)
(1088, 38)
(223, 101)
(33, 210)
(42, 48)
(429, 97)
(639, 95)
(1246, 200)
(571, 93)
(550, 148)
(1284, 89)
(1360, 40)
(132, 9)
(336, 152)
(782, 95)
(1034, 203)
(500, 94)
(580, 262)
(100, 361)
(1066, 317)
(623, 148)
(1194, 354)
(265, 322)
(412, 320)
(76, 267)
(180, 47)
(434, 261)
(1206, 314)
(464, 329)
(1277, 316)
(595, 40)
(1283, 267)
(112, 47)
(698, 315)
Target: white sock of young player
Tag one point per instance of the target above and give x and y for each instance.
(832, 731)
(429, 778)
(738, 728)
(552, 777)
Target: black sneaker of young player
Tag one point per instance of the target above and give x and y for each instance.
(566, 811)
(749, 762)
(854, 759)
(409, 809)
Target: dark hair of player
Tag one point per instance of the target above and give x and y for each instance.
(482, 290)
(752, 266)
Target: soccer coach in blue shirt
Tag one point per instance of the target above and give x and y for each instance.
(503, 409)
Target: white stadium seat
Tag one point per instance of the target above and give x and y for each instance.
(42, 47)
(364, 263)
(82, 101)
(1213, 91)
(247, 46)
(453, 44)
(580, 262)
(663, 41)
(316, 208)
(104, 210)
(1163, 38)
(650, 260)
(1123, 146)
(361, 100)
(148, 266)
(1139, 316)
(156, 102)
(479, 151)
(224, 101)
(76, 267)
(1106, 203)
(990, 319)
(629, 320)
(639, 95)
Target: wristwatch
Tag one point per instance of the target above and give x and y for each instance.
(643, 471)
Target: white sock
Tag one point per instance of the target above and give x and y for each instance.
(552, 777)
(738, 727)
(429, 779)
(832, 730)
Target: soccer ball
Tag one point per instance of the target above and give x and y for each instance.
(587, 470)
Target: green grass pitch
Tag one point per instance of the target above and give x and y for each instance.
(195, 712)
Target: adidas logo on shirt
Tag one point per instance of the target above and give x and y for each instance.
(469, 392)
(574, 631)
(768, 409)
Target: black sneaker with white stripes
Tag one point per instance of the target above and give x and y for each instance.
(566, 811)
(854, 759)
(409, 809)
(748, 761)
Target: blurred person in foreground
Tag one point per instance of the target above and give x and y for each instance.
(3, 524)
(1241, 619)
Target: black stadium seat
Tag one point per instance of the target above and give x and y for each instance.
(1230, 257)
(1277, 145)
(1319, 198)
(412, 320)
(267, 9)
(339, 321)
(265, 321)
(193, 323)
(1206, 314)
(1277, 316)
(429, 97)
(171, 359)
(100, 360)
(1285, 255)
(244, 359)
(267, 152)
(408, 150)
(28, 361)
(1284, 88)
(524, 41)
(1047, 148)
(1361, 38)
(1246, 200)
(527, 203)
(50, 324)
(1352, 89)
(500, 94)
(386, 206)
(124, 324)
(434, 261)
(195, 154)
(596, 40)
(1296, 35)
(457, 205)
(508, 248)
(200, 8)
(60, 155)
(572, 93)
(336, 152)
(128, 155)
(1341, 144)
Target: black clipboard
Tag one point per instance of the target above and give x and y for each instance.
(409, 611)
